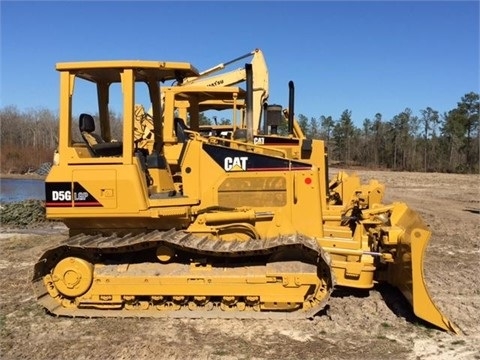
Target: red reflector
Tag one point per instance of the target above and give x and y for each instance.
(308, 181)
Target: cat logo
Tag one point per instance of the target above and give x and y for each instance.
(237, 163)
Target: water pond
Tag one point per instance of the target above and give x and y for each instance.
(12, 190)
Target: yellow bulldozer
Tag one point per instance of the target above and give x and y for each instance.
(228, 227)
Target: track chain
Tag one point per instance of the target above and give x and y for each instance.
(94, 247)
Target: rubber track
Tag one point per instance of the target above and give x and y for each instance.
(93, 247)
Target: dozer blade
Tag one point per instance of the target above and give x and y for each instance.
(406, 273)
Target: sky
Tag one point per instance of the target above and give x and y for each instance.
(367, 57)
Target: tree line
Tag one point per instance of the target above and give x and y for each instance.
(428, 141)
(27, 138)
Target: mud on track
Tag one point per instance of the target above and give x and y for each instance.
(355, 325)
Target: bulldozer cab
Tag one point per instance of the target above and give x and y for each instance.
(102, 126)
(187, 104)
(181, 111)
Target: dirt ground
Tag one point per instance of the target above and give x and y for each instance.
(354, 326)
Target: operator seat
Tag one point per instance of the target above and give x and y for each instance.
(96, 145)
(180, 128)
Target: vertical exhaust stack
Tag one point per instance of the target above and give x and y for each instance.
(249, 100)
(291, 103)
(265, 118)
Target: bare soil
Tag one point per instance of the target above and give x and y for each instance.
(368, 325)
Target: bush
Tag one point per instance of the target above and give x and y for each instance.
(22, 213)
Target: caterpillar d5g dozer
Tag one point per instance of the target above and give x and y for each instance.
(239, 230)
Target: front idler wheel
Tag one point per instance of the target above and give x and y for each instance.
(72, 276)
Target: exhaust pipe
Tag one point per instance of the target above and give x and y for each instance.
(249, 101)
(291, 101)
(265, 118)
